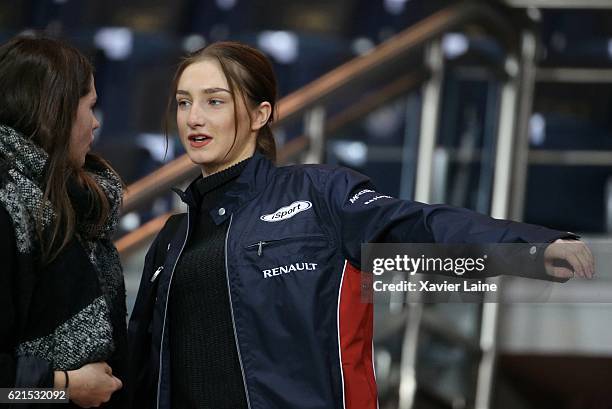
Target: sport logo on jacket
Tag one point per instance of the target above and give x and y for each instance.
(287, 212)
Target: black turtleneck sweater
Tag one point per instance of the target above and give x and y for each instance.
(205, 369)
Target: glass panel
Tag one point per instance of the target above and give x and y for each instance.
(573, 120)
(465, 150)
(382, 145)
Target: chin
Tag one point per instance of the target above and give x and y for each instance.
(200, 158)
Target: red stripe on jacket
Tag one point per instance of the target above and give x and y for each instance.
(356, 326)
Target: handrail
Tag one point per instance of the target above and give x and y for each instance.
(132, 241)
(561, 4)
(356, 71)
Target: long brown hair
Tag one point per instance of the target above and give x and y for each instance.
(247, 70)
(41, 82)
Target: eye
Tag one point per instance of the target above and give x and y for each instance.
(215, 102)
(183, 103)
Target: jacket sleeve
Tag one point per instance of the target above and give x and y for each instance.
(364, 215)
(15, 371)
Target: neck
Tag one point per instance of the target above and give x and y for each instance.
(212, 168)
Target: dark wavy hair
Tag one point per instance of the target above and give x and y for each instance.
(246, 69)
(41, 82)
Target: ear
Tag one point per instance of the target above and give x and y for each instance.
(260, 115)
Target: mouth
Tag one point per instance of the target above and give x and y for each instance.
(199, 140)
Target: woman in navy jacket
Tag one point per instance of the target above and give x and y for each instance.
(252, 298)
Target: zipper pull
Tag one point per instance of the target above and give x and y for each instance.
(156, 273)
(259, 247)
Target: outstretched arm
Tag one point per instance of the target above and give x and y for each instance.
(364, 215)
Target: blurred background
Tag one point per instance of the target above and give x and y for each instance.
(504, 107)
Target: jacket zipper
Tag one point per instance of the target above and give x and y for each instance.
(161, 346)
(229, 291)
(260, 244)
(156, 273)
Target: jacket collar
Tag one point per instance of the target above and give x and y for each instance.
(253, 179)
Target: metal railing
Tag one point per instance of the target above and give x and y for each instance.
(560, 4)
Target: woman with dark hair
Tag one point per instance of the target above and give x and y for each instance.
(252, 298)
(62, 295)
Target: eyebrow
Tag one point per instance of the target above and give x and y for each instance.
(205, 91)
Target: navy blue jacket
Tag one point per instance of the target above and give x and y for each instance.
(303, 336)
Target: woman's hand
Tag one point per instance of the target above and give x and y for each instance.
(92, 385)
(566, 258)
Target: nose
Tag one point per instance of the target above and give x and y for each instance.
(195, 117)
(96, 123)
